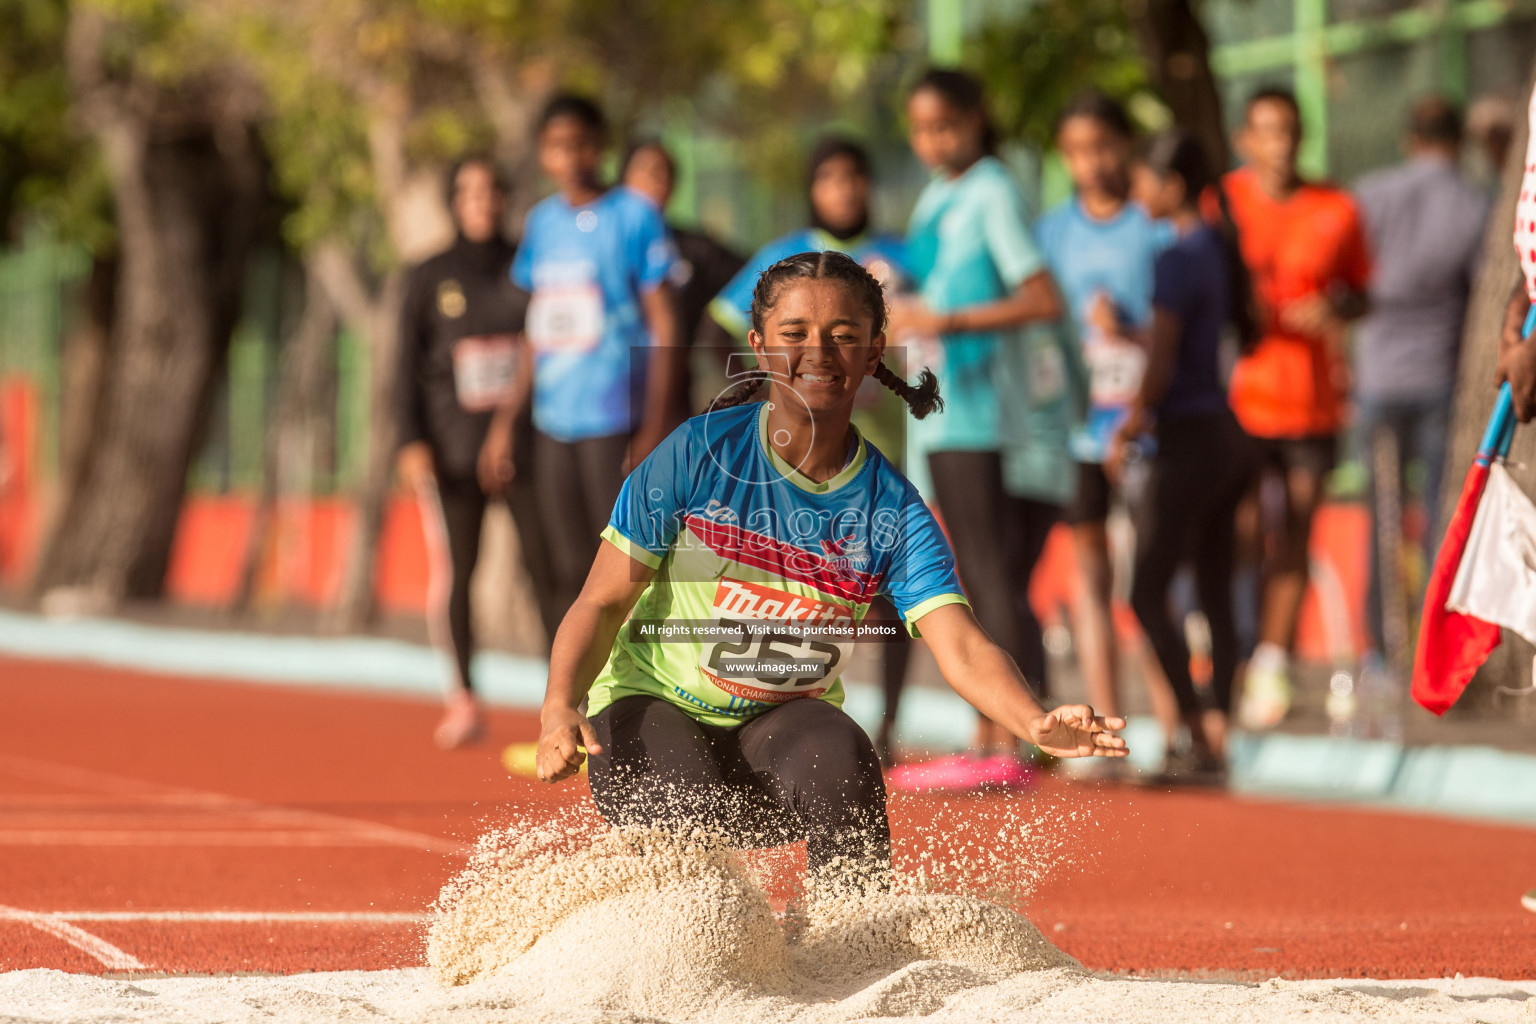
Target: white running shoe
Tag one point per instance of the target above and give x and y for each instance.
(1266, 697)
(1528, 901)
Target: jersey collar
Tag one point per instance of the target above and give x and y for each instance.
(799, 479)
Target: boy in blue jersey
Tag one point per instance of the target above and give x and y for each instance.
(602, 323)
(771, 527)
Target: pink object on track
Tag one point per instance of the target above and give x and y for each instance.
(965, 772)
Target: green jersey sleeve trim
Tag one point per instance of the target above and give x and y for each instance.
(922, 608)
(649, 559)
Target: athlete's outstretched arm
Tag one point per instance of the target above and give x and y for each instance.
(581, 647)
(978, 670)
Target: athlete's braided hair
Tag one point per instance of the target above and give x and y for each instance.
(831, 265)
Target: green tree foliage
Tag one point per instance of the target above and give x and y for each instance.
(439, 78)
(1033, 61)
(48, 168)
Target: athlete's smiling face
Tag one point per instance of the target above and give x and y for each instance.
(826, 340)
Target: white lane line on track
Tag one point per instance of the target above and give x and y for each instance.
(103, 951)
(180, 837)
(248, 916)
(31, 769)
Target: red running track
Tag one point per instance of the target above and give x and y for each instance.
(151, 823)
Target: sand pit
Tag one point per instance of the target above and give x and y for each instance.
(565, 922)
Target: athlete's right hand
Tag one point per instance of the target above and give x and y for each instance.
(565, 731)
(414, 464)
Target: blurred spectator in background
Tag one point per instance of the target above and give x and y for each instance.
(1491, 127)
(602, 322)
(1202, 464)
(703, 266)
(987, 312)
(1306, 251)
(1101, 248)
(465, 433)
(838, 184)
(1424, 223)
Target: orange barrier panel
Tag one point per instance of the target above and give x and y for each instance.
(20, 504)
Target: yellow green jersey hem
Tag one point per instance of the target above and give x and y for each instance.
(917, 611)
(649, 559)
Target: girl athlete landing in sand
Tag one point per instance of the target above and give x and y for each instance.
(761, 515)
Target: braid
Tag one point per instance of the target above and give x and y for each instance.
(923, 399)
(740, 393)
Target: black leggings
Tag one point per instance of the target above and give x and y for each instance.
(453, 523)
(578, 484)
(997, 540)
(1203, 466)
(802, 771)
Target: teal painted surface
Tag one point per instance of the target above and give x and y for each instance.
(1461, 781)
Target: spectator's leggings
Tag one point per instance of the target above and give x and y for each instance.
(802, 771)
(578, 483)
(997, 540)
(452, 516)
(1204, 465)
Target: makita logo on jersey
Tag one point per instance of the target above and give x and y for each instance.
(752, 601)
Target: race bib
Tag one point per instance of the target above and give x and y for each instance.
(484, 370)
(1115, 369)
(767, 658)
(566, 318)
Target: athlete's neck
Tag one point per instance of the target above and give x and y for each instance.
(817, 447)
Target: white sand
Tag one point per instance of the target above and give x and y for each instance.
(564, 922)
(944, 993)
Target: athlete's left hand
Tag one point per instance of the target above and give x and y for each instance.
(1073, 730)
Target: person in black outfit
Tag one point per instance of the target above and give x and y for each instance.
(463, 364)
(704, 266)
(1203, 462)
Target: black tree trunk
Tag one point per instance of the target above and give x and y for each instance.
(1178, 56)
(188, 193)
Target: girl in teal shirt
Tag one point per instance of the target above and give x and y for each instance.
(982, 325)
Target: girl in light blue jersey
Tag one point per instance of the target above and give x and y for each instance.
(768, 528)
(1101, 248)
(995, 462)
